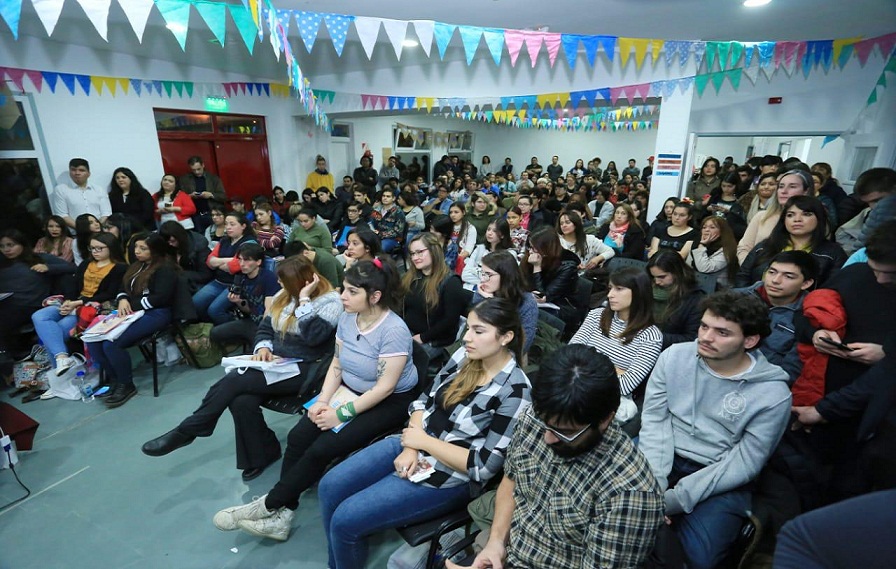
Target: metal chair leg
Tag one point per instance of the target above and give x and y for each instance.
(155, 368)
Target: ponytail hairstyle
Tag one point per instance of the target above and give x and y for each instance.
(503, 315)
(380, 275)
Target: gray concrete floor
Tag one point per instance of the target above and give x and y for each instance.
(98, 502)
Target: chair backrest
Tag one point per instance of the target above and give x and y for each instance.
(583, 296)
(421, 363)
(618, 262)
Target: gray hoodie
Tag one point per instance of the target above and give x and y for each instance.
(732, 425)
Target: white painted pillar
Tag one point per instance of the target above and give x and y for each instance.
(670, 155)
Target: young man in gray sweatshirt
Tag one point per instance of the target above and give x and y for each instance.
(714, 411)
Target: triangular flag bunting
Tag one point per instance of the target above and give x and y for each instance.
(97, 82)
(97, 12)
(570, 44)
(368, 30)
(470, 36)
(337, 26)
(47, 11)
(863, 50)
(734, 76)
(17, 76)
(494, 40)
(640, 51)
(38, 80)
(177, 14)
(717, 80)
(424, 30)
(514, 40)
(244, 24)
(552, 43)
(50, 79)
(84, 82)
(701, 81)
(168, 86)
(737, 49)
(724, 50)
(656, 47)
(591, 44)
(443, 33)
(396, 31)
(68, 79)
(214, 14)
(625, 50)
(533, 45)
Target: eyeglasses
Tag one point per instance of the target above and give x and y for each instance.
(486, 275)
(97, 249)
(559, 435)
(418, 252)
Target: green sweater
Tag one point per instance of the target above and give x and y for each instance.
(317, 236)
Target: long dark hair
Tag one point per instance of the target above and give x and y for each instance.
(83, 234)
(28, 255)
(136, 186)
(640, 314)
(726, 242)
(503, 230)
(174, 229)
(513, 285)
(683, 276)
(580, 247)
(368, 238)
(126, 227)
(140, 272)
(546, 241)
(464, 224)
(505, 317)
(780, 238)
(248, 231)
(380, 275)
(161, 192)
(438, 273)
(116, 253)
(56, 242)
(661, 216)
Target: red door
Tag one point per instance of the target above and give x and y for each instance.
(244, 167)
(175, 154)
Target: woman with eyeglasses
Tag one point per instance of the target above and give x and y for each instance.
(463, 426)
(434, 299)
(97, 280)
(624, 332)
(497, 238)
(500, 277)
(217, 230)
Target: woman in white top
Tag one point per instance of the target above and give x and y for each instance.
(716, 253)
(625, 333)
(463, 234)
(497, 238)
(591, 251)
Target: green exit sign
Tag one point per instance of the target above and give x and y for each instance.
(216, 104)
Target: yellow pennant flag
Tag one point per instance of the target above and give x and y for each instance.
(110, 83)
(544, 101)
(640, 51)
(125, 84)
(97, 83)
(625, 50)
(253, 7)
(840, 44)
(656, 47)
(500, 116)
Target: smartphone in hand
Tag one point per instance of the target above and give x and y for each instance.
(840, 345)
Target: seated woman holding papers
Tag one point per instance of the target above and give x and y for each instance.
(301, 324)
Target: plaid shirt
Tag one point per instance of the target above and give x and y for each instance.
(483, 422)
(599, 509)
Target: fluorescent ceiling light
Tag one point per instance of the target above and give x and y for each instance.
(755, 3)
(410, 43)
(174, 27)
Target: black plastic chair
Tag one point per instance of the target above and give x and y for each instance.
(293, 404)
(433, 530)
(148, 347)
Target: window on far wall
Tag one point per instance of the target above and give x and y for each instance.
(863, 160)
(24, 203)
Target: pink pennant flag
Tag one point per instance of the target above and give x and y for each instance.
(384, 101)
(37, 79)
(533, 45)
(228, 89)
(365, 101)
(552, 42)
(863, 50)
(514, 40)
(886, 44)
(17, 76)
(801, 49)
(630, 92)
(642, 90)
(615, 93)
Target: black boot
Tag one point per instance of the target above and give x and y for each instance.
(170, 441)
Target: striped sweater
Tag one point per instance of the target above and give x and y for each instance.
(636, 358)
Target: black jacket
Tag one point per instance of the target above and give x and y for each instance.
(109, 286)
(559, 284)
(681, 326)
(138, 207)
(439, 325)
(633, 244)
(828, 254)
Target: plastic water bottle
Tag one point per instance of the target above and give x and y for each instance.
(84, 386)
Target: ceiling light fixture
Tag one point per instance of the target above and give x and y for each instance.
(410, 43)
(175, 27)
(755, 3)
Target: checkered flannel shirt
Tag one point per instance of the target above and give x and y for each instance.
(599, 509)
(484, 422)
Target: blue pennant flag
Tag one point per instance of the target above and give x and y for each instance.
(570, 43)
(443, 33)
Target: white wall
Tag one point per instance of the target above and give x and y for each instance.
(503, 141)
(722, 146)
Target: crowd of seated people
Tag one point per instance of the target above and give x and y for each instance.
(714, 388)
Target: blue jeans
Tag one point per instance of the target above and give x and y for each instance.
(112, 356)
(52, 328)
(707, 533)
(389, 245)
(211, 303)
(363, 495)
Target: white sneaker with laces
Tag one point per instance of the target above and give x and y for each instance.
(63, 364)
(228, 519)
(276, 527)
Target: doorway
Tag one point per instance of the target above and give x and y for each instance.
(233, 147)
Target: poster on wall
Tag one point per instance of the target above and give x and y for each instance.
(668, 165)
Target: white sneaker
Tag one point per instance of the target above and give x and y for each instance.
(228, 519)
(276, 527)
(63, 364)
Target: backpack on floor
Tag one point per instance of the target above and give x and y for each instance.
(206, 352)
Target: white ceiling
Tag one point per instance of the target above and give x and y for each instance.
(666, 19)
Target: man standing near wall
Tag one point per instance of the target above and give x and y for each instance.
(555, 170)
(78, 197)
(202, 187)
